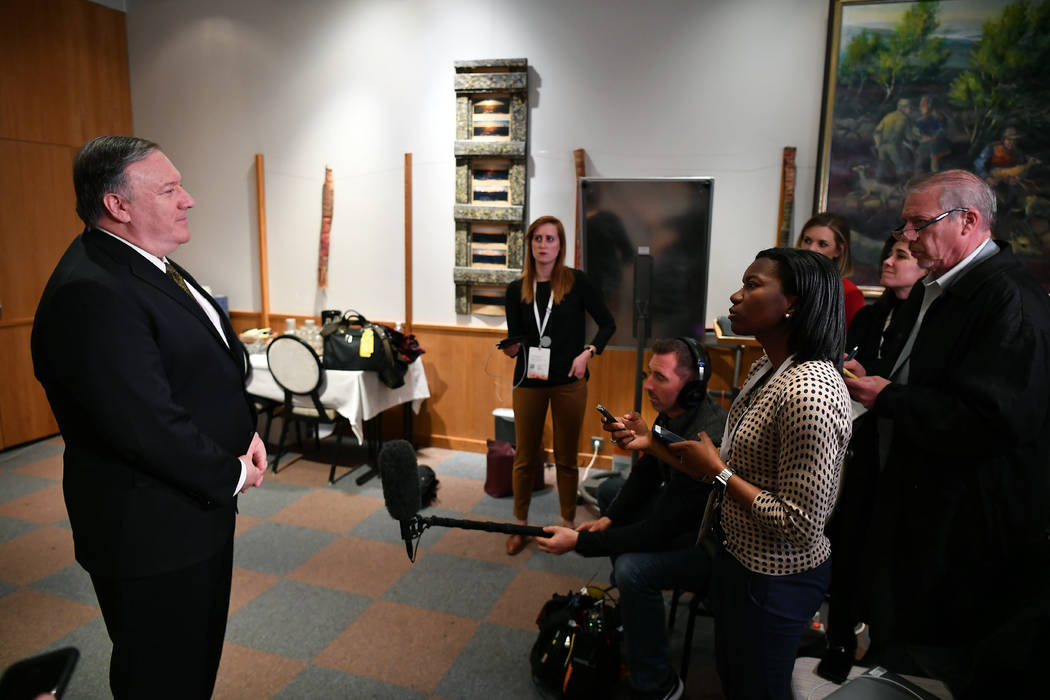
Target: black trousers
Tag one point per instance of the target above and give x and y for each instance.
(168, 629)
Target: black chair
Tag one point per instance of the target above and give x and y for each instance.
(698, 607)
(297, 370)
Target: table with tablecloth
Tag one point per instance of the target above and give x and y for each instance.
(357, 396)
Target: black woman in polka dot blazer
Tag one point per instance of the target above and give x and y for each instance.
(779, 467)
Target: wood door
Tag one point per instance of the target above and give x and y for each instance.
(36, 182)
(65, 80)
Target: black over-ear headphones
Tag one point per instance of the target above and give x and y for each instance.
(692, 394)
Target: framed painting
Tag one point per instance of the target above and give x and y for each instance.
(917, 87)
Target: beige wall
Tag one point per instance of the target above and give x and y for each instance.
(663, 88)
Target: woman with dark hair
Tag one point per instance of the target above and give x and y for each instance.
(828, 234)
(546, 307)
(778, 468)
(900, 272)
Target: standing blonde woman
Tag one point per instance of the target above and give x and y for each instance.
(546, 308)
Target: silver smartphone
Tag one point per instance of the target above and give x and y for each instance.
(666, 435)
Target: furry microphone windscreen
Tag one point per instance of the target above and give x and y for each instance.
(400, 474)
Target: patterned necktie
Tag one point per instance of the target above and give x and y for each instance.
(170, 270)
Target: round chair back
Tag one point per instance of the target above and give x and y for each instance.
(294, 364)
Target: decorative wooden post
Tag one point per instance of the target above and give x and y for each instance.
(264, 268)
(579, 161)
(327, 200)
(787, 198)
(408, 243)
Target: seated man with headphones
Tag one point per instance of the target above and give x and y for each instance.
(650, 528)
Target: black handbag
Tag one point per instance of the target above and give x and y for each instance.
(355, 343)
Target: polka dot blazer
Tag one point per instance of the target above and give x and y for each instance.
(789, 439)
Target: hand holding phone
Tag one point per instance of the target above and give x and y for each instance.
(510, 340)
(666, 435)
(605, 413)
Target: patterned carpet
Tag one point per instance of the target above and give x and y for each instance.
(325, 602)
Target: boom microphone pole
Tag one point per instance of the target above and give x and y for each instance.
(399, 471)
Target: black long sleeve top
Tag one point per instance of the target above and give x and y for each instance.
(674, 520)
(565, 328)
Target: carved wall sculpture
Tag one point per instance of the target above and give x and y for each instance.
(491, 185)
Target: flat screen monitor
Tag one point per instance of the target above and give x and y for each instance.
(666, 218)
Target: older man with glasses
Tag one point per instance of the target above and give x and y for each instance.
(964, 431)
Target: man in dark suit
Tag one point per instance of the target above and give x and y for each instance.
(964, 428)
(146, 379)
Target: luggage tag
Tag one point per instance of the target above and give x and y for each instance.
(539, 363)
(367, 346)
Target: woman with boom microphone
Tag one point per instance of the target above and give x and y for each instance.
(545, 309)
(778, 468)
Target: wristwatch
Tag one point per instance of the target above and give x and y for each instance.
(590, 348)
(723, 477)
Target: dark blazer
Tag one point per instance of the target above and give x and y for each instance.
(968, 464)
(151, 406)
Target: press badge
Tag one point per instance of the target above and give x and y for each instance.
(539, 363)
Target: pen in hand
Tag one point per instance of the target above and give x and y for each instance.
(849, 356)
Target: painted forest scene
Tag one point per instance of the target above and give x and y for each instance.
(918, 87)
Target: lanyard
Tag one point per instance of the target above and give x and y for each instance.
(750, 386)
(536, 310)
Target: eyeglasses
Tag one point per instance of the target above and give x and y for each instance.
(903, 233)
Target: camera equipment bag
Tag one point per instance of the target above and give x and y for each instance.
(577, 653)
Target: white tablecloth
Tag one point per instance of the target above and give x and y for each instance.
(359, 396)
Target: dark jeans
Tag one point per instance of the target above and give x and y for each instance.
(168, 629)
(641, 578)
(759, 621)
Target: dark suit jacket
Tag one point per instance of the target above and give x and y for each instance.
(151, 406)
(968, 464)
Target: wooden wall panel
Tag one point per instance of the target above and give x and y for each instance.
(23, 404)
(468, 378)
(35, 183)
(65, 76)
(64, 80)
